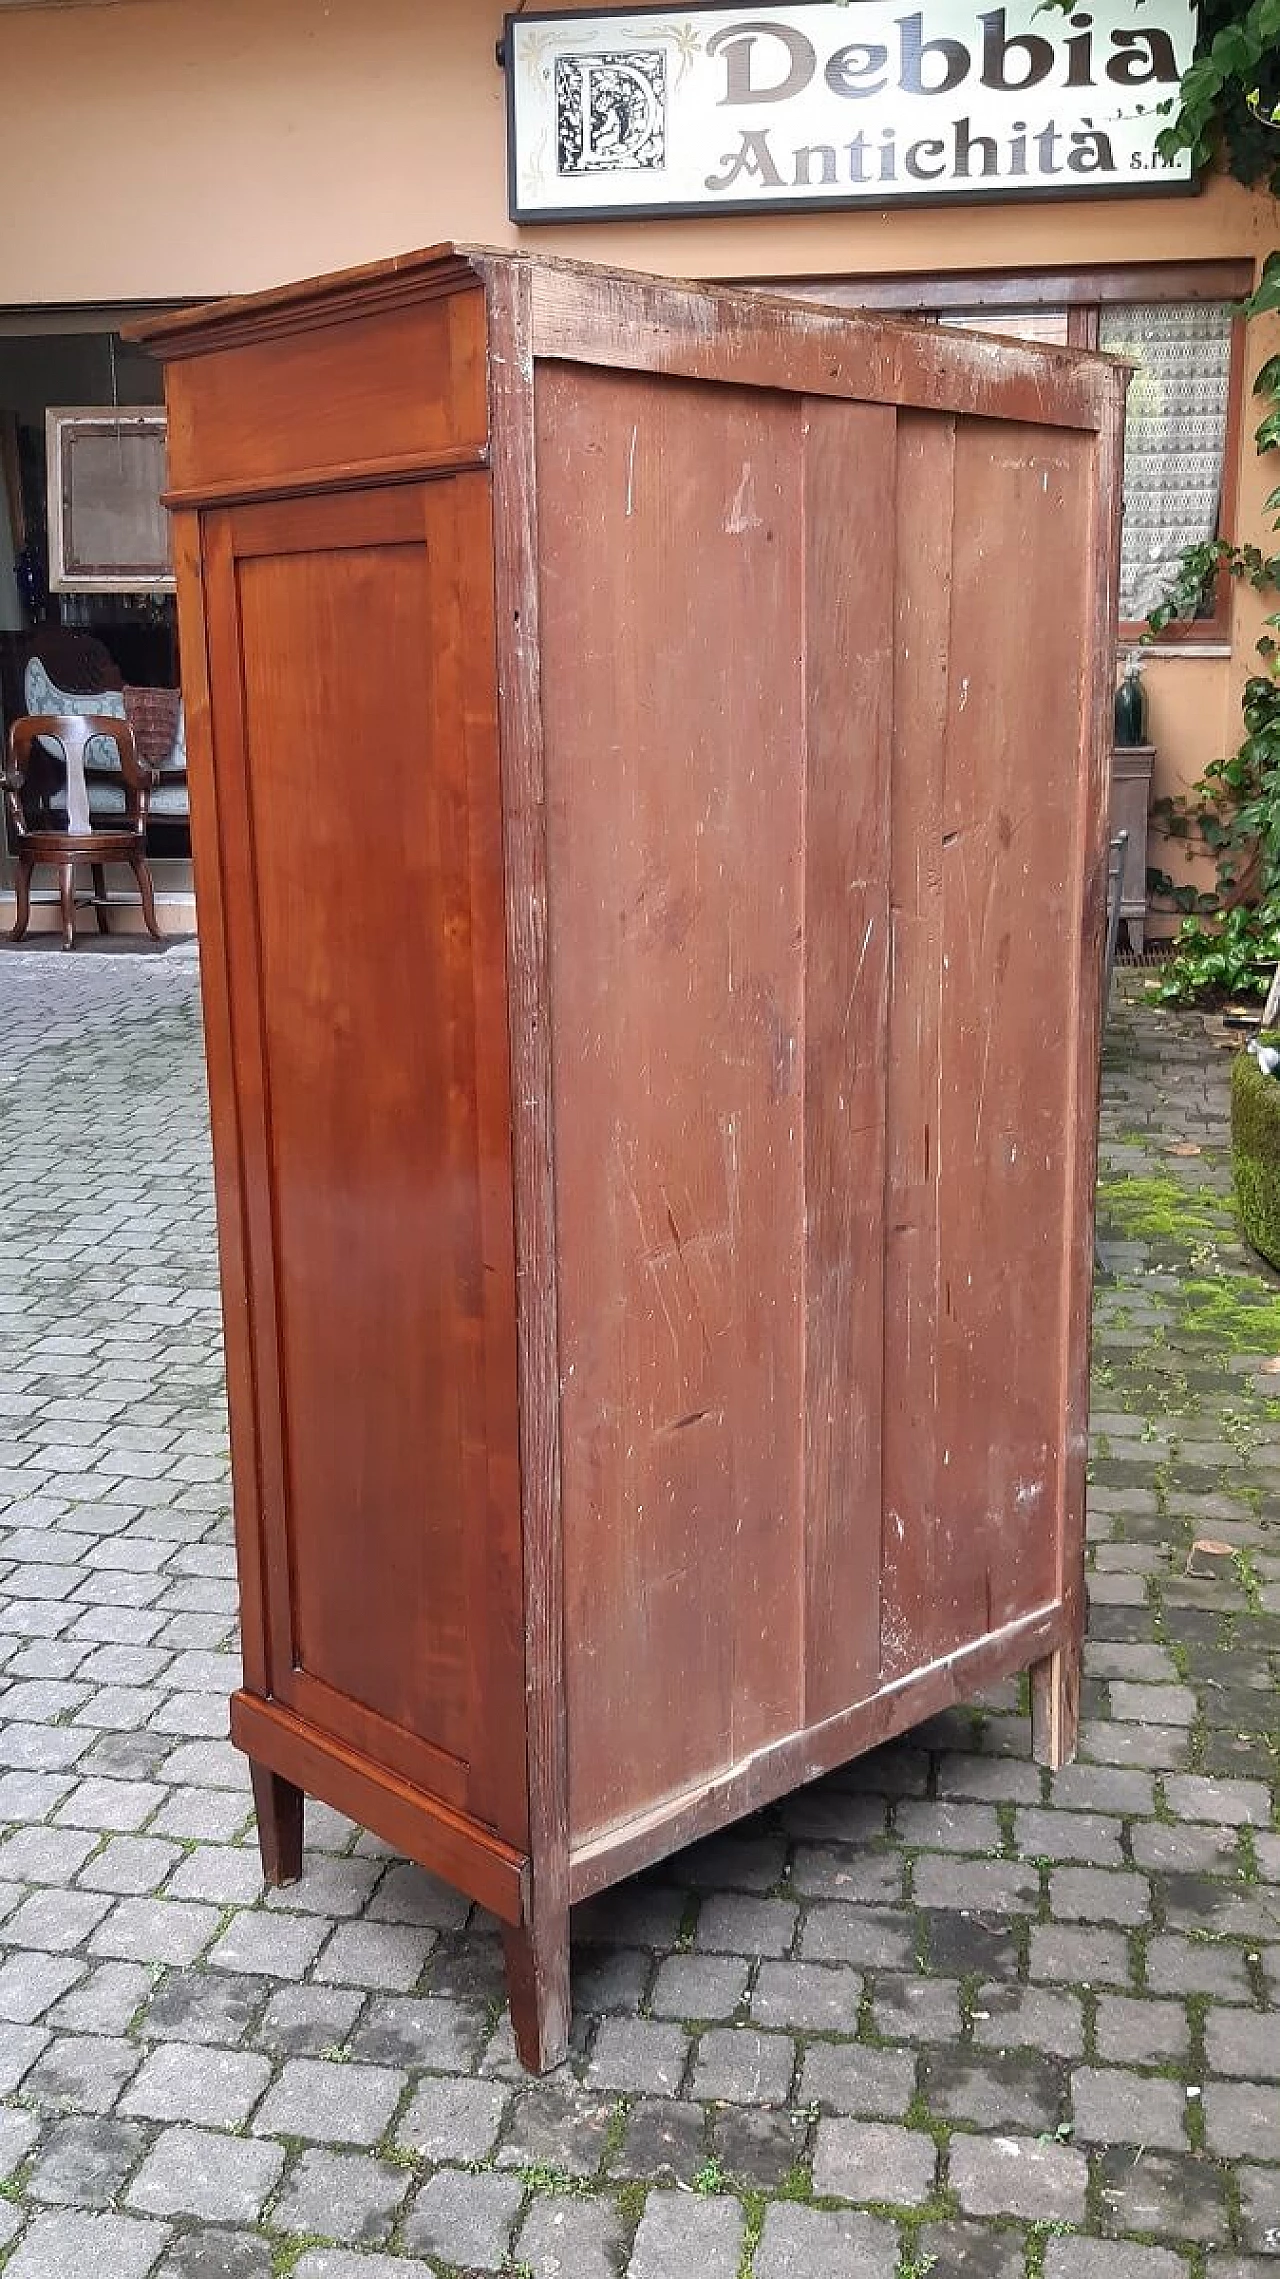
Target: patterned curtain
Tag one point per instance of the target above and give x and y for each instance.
(1175, 434)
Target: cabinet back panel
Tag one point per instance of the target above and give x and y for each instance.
(813, 930)
(388, 1465)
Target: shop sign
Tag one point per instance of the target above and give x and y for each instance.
(873, 103)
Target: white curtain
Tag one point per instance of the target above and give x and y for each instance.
(1175, 433)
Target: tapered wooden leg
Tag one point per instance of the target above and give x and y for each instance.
(538, 1989)
(67, 897)
(141, 869)
(1055, 1706)
(278, 1805)
(22, 898)
(100, 892)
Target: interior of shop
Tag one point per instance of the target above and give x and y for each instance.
(87, 613)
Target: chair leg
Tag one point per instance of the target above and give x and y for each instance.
(141, 869)
(100, 894)
(22, 898)
(67, 897)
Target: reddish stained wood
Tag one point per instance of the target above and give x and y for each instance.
(538, 1955)
(849, 482)
(677, 1075)
(410, 379)
(224, 1107)
(789, 1762)
(1011, 894)
(418, 1824)
(691, 332)
(540, 1107)
(915, 1054)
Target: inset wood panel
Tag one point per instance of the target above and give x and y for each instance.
(377, 1143)
(674, 770)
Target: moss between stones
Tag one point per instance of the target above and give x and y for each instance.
(1255, 1154)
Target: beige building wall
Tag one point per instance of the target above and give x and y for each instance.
(174, 149)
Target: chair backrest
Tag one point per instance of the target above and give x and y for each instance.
(76, 736)
(1115, 896)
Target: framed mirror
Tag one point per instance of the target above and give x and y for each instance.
(108, 532)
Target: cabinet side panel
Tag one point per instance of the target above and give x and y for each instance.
(987, 891)
(670, 567)
(350, 685)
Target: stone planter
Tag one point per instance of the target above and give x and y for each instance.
(1255, 1154)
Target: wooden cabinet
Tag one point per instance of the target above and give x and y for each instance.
(652, 1022)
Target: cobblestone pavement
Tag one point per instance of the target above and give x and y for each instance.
(940, 2013)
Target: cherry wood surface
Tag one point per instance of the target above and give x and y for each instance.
(654, 1180)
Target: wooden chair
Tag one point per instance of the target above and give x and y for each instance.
(49, 821)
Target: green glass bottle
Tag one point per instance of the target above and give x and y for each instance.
(1131, 707)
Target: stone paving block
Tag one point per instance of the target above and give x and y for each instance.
(664, 2141)
(808, 2243)
(571, 2239)
(343, 2263)
(330, 2104)
(1260, 2205)
(638, 2053)
(1147, 2032)
(18, 2132)
(465, 2219)
(1099, 2259)
(870, 2160)
(732, 1923)
(274, 1946)
(192, 2172)
(1008, 1887)
(1065, 1956)
(155, 1930)
(31, 1982)
(1019, 2176)
(204, 2006)
(740, 2066)
(1028, 2017)
(698, 1986)
(878, 1938)
(1021, 2093)
(453, 2120)
(818, 1997)
(434, 2031)
(615, 1978)
(105, 2000)
(81, 2073)
(67, 2245)
(218, 2255)
(971, 2251)
(387, 1958)
(682, 2234)
(1241, 2042)
(405, 1894)
(1099, 1895)
(1182, 2195)
(555, 2124)
(1115, 2107)
(84, 2163)
(739, 1859)
(343, 2196)
(217, 2088)
(305, 2021)
(759, 2149)
(1189, 1966)
(846, 2077)
(56, 1922)
(229, 1875)
(916, 2009)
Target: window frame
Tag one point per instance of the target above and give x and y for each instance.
(1083, 293)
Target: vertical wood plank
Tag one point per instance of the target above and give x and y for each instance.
(539, 1972)
(915, 1051)
(224, 1110)
(1011, 857)
(849, 485)
(674, 761)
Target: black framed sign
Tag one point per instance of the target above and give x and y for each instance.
(878, 104)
